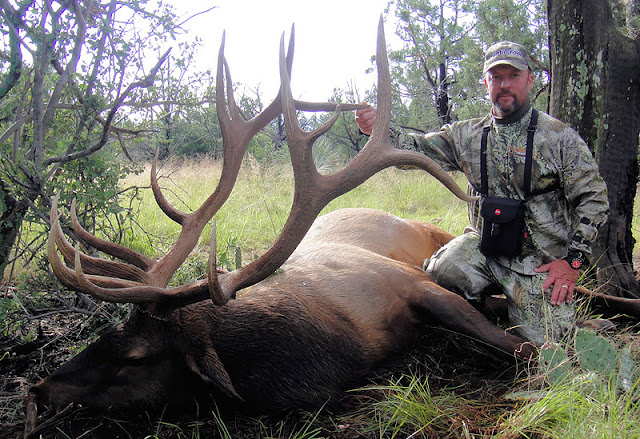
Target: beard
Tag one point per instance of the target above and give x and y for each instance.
(507, 109)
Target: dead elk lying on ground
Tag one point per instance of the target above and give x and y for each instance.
(349, 296)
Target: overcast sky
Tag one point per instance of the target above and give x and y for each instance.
(334, 41)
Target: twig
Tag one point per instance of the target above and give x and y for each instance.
(55, 419)
(195, 15)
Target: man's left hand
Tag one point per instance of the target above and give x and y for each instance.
(562, 277)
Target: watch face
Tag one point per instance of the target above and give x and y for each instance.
(576, 263)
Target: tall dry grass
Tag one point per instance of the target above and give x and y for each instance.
(259, 204)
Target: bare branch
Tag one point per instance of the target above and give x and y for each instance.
(144, 83)
(195, 15)
(71, 65)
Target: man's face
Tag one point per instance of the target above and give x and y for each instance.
(508, 88)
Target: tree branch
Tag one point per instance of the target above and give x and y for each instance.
(15, 55)
(144, 83)
(195, 15)
(71, 65)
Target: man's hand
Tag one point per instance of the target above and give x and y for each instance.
(562, 277)
(365, 119)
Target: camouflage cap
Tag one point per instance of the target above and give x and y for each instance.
(506, 52)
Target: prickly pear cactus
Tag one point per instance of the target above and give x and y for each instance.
(555, 362)
(595, 353)
(627, 374)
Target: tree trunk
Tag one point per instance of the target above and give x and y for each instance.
(442, 96)
(594, 88)
(12, 212)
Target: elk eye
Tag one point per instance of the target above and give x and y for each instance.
(139, 360)
(137, 354)
(134, 361)
(131, 365)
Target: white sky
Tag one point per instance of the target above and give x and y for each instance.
(334, 41)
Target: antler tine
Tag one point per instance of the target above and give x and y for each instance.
(133, 294)
(215, 291)
(162, 202)
(379, 153)
(128, 275)
(126, 254)
(384, 89)
(110, 289)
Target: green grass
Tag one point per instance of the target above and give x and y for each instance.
(258, 207)
(585, 407)
(410, 409)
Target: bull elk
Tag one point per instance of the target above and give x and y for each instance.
(350, 292)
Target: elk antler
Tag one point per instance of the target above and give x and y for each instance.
(141, 280)
(313, 191)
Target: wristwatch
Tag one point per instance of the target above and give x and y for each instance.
(575, 259)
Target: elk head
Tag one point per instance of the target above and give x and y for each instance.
(165, 346)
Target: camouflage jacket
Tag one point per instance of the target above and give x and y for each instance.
(569, 198)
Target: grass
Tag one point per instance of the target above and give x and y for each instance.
(259, 205)
(410, 409)
(586, 407)
(450, 387)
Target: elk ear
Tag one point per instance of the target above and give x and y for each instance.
(210, 369)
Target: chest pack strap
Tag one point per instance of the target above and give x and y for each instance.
(528, 161)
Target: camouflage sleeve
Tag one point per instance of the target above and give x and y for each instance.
(438, 146)
(585, 190)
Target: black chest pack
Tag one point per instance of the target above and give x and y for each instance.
(503, 226)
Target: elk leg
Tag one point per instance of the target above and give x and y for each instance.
(456, 313)
(31, 409)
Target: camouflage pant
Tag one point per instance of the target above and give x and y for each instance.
(461, 267)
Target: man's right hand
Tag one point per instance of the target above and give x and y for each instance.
(365, 119)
